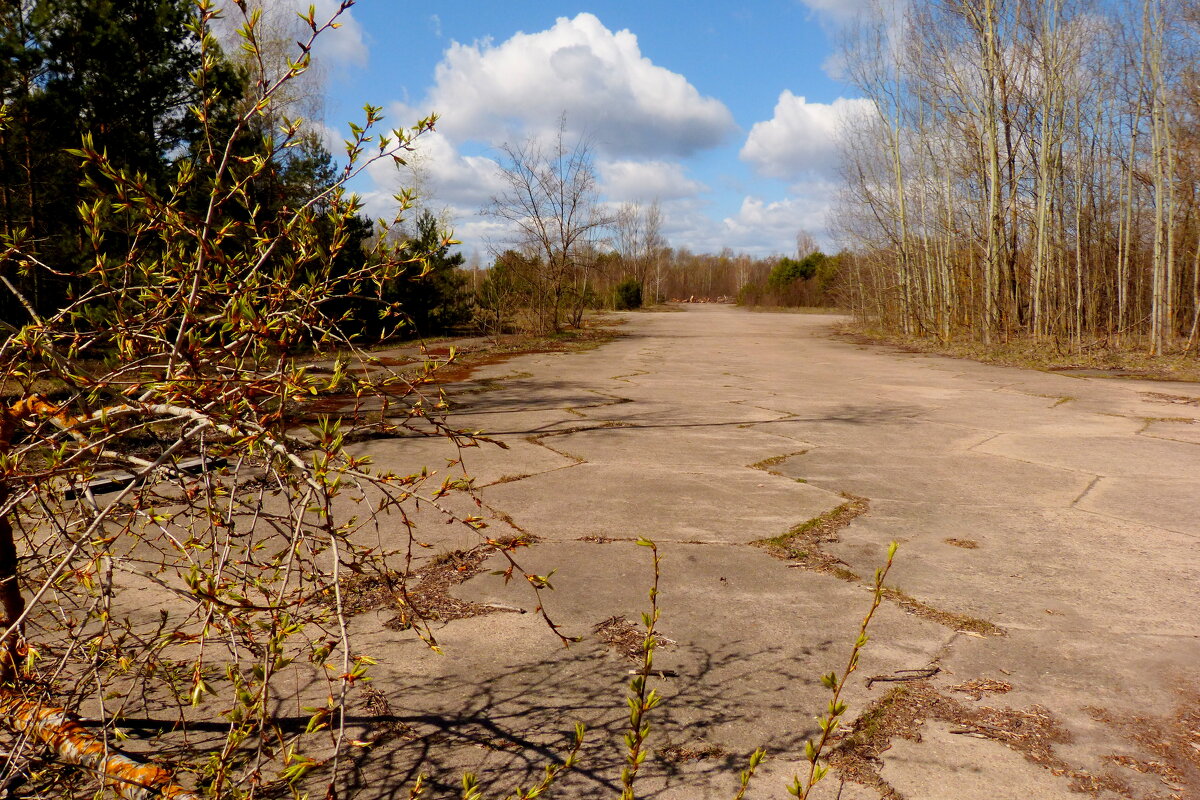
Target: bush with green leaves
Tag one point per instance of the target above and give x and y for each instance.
(627, 295)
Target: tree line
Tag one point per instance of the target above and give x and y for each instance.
(569, 252)
(1029, 167)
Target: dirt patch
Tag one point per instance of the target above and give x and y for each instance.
(977, 688)
(509, 347)
(966, 544)
(1175, 399)
(625, 638)
(1172, 742)
(1032, 732)
(682, 754)
(424, 595)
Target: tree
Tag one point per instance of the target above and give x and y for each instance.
(185, 373)
(550, 201)
(1027, 173)
(116, 70)
(638, 242)
(432, 295)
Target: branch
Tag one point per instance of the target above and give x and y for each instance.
(61, 731)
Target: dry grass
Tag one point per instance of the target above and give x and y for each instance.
(1096, 358)
(625, 638)
(1172, 744)
(682, 754)
(966, 544)
(425, 593)
(804, 543)
(959, 622)
(900, 714)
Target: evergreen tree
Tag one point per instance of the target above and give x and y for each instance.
(432, 296)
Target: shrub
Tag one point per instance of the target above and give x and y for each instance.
(627, 295)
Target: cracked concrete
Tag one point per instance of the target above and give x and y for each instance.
(1080, 496)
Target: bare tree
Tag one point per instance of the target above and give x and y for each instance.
(1031, 170)
(550, 201)
(805, 244)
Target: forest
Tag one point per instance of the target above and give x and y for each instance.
(1027, 170)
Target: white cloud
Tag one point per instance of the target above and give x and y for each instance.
(840, 10)
(608, 91)
(801, 138)
(646, 181)
(440, 175)
(758, 227)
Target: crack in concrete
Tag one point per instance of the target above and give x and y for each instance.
(1084, 493)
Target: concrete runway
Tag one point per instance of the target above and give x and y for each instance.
(1049, 568)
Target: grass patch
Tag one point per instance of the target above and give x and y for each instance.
(961, 622)
(767, 463)
(803, 544)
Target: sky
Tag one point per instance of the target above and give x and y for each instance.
(725, 113)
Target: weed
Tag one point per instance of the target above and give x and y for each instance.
(966, 544)
(767, 463)
(802, 543)
(961, 622)
(830, 722)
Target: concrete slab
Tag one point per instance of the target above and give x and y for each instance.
(945, 766)
(1114, 456)
(698, 444)
(975, 479)
(484, 463)
(735, 505)
(1175, 430)
(1171, 504)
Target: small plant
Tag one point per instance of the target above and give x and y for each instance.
(830, 721)
(641, 698)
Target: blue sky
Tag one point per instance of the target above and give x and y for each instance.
(723, 112)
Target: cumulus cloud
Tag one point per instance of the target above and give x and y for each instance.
(801, 138)
(608, 91)
(759, 227)
(643, 181)
(440, 175)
